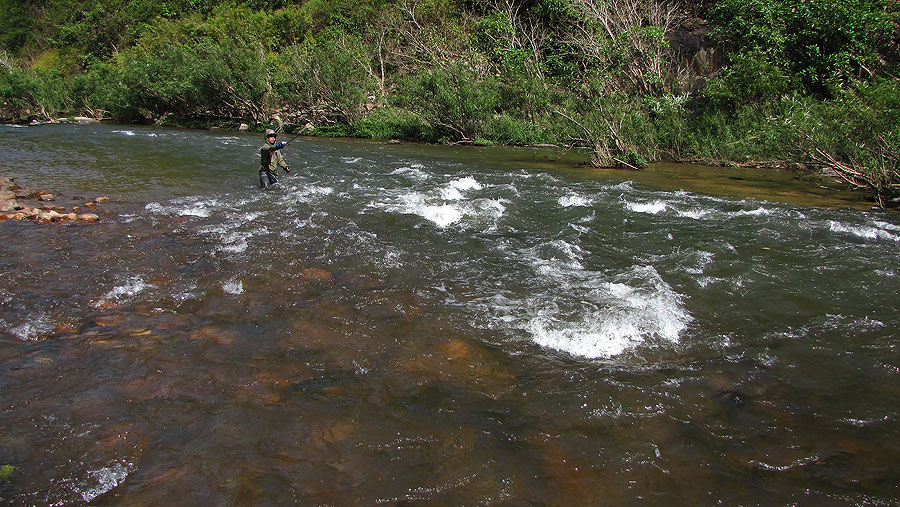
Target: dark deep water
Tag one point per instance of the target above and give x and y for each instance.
(404, 323)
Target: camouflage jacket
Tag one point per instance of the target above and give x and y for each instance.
(271, 158)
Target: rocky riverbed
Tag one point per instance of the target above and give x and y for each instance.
(26, 203)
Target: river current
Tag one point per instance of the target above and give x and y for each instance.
(415, 324)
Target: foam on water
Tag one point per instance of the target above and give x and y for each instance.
(878, 230)
(36, 327)
(614, 319)
(755, 212)
(200, 209)
(556, 258)
(123, 292)
(652, 208)
(444, 205)
(106, 479)
(442, 215)
(454, 190)
(233, 286)
(572, 200)
(694, 213)
(414, 170)
(571, 308)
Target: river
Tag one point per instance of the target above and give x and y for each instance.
(419, 324)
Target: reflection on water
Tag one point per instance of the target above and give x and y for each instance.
(409, 323)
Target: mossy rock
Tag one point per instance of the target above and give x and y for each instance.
(5, 472)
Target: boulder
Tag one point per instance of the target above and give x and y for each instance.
(88, 217)
(47, 197)
(101, 200)
(7, 205)
(89, 204)
(244, 127)
(27, 193)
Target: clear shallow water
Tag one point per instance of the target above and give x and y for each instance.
(411, 323)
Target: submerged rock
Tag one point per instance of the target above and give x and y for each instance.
(316, 274)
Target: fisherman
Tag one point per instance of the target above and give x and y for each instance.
(270, 159)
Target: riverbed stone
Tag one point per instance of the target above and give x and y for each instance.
(88, 217)
(109, 320)
(7, 205)
(215, 334)
(47, 197)
(66, 328)
(101, 200)
(27, 193)
(454, 349)
(316, 274)
(89, 204)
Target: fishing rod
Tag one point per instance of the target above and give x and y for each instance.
(281, 126)
(295, 137)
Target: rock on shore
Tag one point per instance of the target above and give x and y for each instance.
(14, 205)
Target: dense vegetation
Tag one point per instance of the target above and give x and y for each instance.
(803, 81)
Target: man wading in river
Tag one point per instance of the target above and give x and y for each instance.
(270, 159)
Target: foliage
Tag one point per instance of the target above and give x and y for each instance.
(191, 69)
(395, 123)
(6, 472)
(506, 129)
(750, 79)
(615, 126)
(857, 135)
(824, 43)
(15, 25)
(329, 79)
(457, 100)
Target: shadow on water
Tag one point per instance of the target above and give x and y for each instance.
(398, 324)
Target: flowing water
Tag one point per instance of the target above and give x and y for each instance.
(404, 323)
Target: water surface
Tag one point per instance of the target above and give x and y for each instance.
(405, 323)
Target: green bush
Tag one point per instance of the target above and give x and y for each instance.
(394, 123)
(189, 70)
(612, 126)
(17, 90)
(506, 129)
(457, 100)
(328, 77)
(857, 134)
(750, 79)
(822, 42)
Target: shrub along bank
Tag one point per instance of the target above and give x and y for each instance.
(634, 81)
